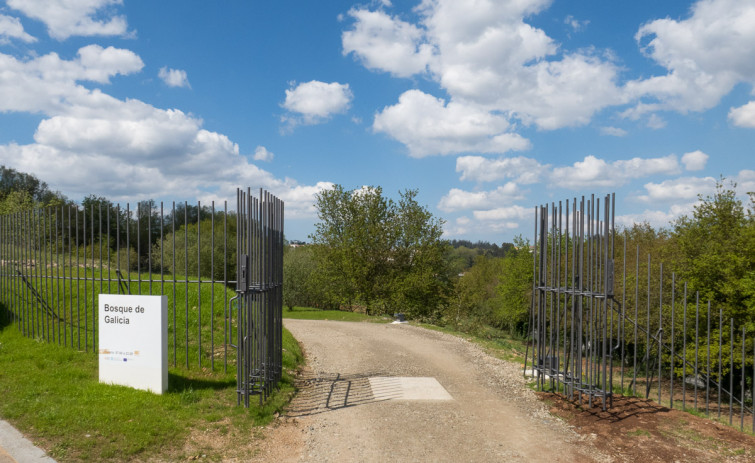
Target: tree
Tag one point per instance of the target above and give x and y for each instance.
(378, 254)
(716, 247)
(515, 288)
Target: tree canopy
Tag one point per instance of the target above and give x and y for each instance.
(379, 254)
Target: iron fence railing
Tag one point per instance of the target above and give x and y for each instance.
(54, 263)
(593, 336)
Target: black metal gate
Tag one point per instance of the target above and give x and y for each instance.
(259, 295)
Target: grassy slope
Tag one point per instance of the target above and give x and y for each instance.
(52, 393)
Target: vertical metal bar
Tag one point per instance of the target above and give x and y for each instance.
(697, 341)
(128, 246)
(162, 251)
(186, 277)
(672, 359)
(623, 308)
(212, 287)
(70, 275)
(94, 310)
(173, 271)
(731, 371)
(684, 350)
(78, 268)
(636, 317)
(225, 283)
(720, 356)
(58, 252)
(742, 389)
(86, 280)
(149, 245)
(138, 246)
(109, 246)
(660, 334)
(647, 341)
(199, 281)
(707, 371)
(558, 297)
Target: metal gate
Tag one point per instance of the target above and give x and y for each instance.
(259, 295)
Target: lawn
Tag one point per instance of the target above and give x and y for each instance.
(52, 394)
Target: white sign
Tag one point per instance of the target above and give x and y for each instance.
(134, 341)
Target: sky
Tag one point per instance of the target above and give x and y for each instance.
(486, 107)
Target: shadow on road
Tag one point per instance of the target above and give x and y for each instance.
(327, 392)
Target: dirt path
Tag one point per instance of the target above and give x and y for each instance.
(341, 414)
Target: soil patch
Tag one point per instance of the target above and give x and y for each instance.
(636, 429)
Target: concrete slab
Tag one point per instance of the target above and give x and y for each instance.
(15, 448)
(407, 388)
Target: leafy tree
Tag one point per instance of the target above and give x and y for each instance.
(475, 293)
(716, 248)
(515, 288)
(21, 191)
(378, 254)
(301, 285)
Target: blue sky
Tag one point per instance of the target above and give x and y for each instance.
(487, 107)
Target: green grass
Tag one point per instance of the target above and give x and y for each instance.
(495, 342)
(195, 324)
(52, 394)
(309, 313)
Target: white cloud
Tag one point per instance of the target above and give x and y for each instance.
(576, 24)
(124, 150)
(685, 188)
(48, 84)
(389, 44)
(316, 101)
(457, 199)
(483, 54)
(11, 28)
(504, 213)
(262, 154)
(706, 55)
(656, 218)
(613, 131)
(480, 169)
(745, 181)
(174, 77)
(743, 116)
(656, 122)
(427, 126)
(595, 172)
(66, 18)
(695, 160)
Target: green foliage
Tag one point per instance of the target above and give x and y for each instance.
(179, 253)
(716, 247)
(301, 285)
(495, 292)
(375, 253)
(31, 187)
(515, 288)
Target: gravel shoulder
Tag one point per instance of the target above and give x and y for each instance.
(336, 416)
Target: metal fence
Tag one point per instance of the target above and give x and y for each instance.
(260, 295)
(594, 335)
(54, 263)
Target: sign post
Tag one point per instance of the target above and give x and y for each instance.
(133, 344)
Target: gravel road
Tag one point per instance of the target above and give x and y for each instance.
(338, 416)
